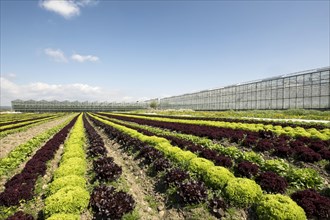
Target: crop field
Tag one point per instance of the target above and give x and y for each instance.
(165, 165)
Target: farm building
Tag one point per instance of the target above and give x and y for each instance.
(66, 106)
(308, 90)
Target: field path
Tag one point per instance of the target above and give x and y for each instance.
(141, 186)
(11, 141)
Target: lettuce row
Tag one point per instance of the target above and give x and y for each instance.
(67, 194)
(7, 127)
(323, 134)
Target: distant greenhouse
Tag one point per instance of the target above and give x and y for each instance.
(66, 106)
(303, 90)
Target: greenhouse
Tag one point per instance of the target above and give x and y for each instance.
(66, 106)
(302, 90)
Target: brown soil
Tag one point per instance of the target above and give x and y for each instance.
(141, 186)
(11, 141)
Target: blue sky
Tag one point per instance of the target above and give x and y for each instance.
(135, 50)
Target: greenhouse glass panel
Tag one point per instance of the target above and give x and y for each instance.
(307, 79)
(324, 102)
(262, 104)
(300, 91)
(274, 94)
(316, 102)
(300, 80)
(274, 84)
(286, 93)
(280, 94)
(316, 78)
(293, 92)
(268, 94)
(280, 83)
(300, 103)
(273, 104)
(286, 103)
(279, 104)
(316, 90)
(263, 94)
(307, 91)
(292, 103)
(325, 77)
(325, 89)
(293, 81)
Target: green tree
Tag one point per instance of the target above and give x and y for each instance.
(153, 104)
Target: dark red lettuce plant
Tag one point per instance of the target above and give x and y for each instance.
(314, 204)
(192, 192)
(109, 204)
(271, 182)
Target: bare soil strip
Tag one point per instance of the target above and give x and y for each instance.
(141, 186)
(11, 141)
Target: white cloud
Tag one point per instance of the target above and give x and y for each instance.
(56, 55)
(66, 8)
(72, 92)
(81, 58)
(83, 3)
(7, 85)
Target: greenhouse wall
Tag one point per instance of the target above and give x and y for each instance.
(66, 106)
(304, 90)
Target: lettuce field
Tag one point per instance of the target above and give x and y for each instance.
(164, 165)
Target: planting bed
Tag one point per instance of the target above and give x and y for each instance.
(21, 187)
(229, 156)
(14, 127)
(267, 185)
(144, 186)
(274, 122)
(9, 142)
